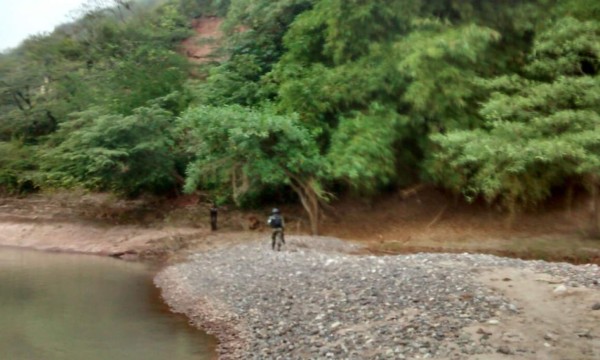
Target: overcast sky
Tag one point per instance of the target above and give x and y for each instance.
(21, 18)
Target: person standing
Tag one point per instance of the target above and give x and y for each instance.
(213, 217)
(277, 225)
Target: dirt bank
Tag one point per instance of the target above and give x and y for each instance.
(128, 241)
(423, 220)
(98, 224)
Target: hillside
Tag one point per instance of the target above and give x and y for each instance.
(201, 47)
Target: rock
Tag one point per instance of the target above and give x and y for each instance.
(584, 333)
(512, 337)
(596, 306)
(329, 304)
(484, 332)
(560, 290)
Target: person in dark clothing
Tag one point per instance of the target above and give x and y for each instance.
(277, 225)
(213, 217)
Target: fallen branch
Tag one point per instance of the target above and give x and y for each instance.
(437, 217)
(412, 191)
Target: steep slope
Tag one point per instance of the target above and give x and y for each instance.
(201, 47)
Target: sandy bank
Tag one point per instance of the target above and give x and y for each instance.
(131, 241)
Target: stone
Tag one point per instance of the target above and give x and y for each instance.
(503, 349)
(584, 333)
(560, 290)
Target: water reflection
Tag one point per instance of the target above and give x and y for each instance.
(58, 306)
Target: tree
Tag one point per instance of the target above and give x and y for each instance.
(255, 30)
(539, 130)
(362, 149)
(125, 154)
(249, 149)
(422, 71)
(144, 75)
(18, 169)
(439, 63)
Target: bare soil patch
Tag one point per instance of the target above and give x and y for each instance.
(201, 47)
(429, 220)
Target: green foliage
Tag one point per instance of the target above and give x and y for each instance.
(267, 19)
(352, 26)
(18, 170)
(538, 133)
(196, 8)
(120, 59)
(256, 29)
(233, 82)
(120, 62)
(440, 63)
(318, 92)
(500, 96)
(581, 9)
(362, 148)
(424, 71)
(125, 154)
(145, 75)
(570, 48)
(244, 149)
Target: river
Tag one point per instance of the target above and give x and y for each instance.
(65, 306)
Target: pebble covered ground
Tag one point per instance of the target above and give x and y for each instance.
(314, 300)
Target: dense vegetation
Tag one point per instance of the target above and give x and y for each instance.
(491, 99)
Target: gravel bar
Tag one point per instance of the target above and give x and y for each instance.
(314, 300)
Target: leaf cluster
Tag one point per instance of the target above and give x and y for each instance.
(537, 133)
(125, 154)
(245, 148)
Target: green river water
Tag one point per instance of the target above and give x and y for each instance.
(82, 307)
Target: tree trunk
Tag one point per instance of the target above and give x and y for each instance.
(596, 207)
(310, 201)
(239, 182)
(569, 198)
(512, 213)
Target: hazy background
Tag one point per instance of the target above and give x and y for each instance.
(22, 18)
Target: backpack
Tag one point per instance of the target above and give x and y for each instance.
(275, 221)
